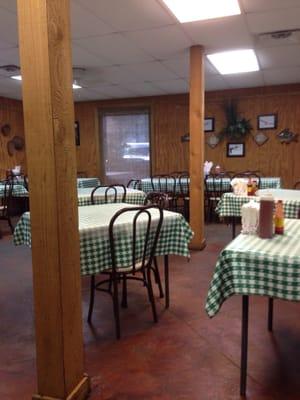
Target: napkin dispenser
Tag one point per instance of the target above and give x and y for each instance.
(239, 186)
(250, 217)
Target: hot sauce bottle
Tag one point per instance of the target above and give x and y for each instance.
(249, 187)
(279, 218)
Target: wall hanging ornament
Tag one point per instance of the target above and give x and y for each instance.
(213, 140)
(260, 138)
(287, 136)
(17, 143)
(237, 128)
(5, 129)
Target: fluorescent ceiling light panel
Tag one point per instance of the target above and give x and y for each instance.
(234, 62)
(197, 10)
(19, 78)
(16, 77)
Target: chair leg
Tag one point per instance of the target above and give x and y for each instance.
(10, 225)
(151, 296)
(116, 306)
(157, 278)
(124, 292)
(167, 287)
(92, 298)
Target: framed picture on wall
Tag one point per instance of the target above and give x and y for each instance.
(235, 149)
(267, 121)
(209, 124)
(77, 133)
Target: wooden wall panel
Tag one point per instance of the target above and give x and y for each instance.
(11, 113)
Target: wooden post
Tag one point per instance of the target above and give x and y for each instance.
(45, 52)
(196, 114)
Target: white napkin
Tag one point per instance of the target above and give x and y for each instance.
(239, 186)
(250, 217)
(207, 167)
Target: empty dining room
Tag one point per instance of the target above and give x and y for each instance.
(149, 199)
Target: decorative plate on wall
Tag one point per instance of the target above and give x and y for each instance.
(260, 138)
(5, 129)
(213, 141)
(287, 136)
(18, 142)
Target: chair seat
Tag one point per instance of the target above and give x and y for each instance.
(138, 267)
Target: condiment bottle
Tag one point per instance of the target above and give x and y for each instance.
(266, 212)
(254, 187)
(249, 187)
(279, 218)
(218, 169)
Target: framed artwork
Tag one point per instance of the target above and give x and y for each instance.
(209, 124)
(77, 133)
(235, 149)
(267, 121)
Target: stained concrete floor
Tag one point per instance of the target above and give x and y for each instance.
(186, 356)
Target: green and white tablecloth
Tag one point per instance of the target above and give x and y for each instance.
(18, 190)
(230, 204)
(253, 266)
(94, 239)
(161, 184)
(265, 183)
(87, 182)
(132, 196)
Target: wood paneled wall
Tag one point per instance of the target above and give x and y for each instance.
(169, 121)
(11, 113)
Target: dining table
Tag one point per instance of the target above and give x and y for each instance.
(133, 196)
(250, 266)
(95, 256)
(148, 185)
(230, 205)
(88, 182)
(18, 190)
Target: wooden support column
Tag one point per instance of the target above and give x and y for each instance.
(196, 118)
(45, 52)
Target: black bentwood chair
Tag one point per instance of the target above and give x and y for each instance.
(6, 201)
(297, 185)
(110, 194)
(142, 250)
(134, 184)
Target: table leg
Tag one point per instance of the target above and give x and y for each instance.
(167, 292)
(270, 314)
(244, 345)
(233, 226)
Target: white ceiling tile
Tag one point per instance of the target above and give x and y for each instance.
(181, 66)
(261, 5)
(84, 58)
(8, 27)
(152, 71)
(173, 86)
(276, 57)
(282, 75)
(111, 75)
(274, 20)
(161, 42)
(9, 56)
(84, 23)
(130, 14)
(10, 5)
(145, 89)
(116, 91)
(249, 79)
(223, 33)
(85, 94)
(115, 48)
(216, 82)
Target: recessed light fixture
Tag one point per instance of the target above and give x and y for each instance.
(19, 78)
(197, 10)
(234, 62)
(16, 77)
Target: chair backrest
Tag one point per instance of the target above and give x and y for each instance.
(217, 184)
(81, 174)
(134, 184)
(249, 175)
(111, 193)
(8, 186)
(163, 183)
(178, 173)
(184, 184)
(297, 185)
(143, 237)
(26, 183)
(158, 198)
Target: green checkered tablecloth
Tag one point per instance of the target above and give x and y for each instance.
(253, 266)
(265, 183)
(132, 196)
(146, 185)
(87, 182)
(94, 220)
(230, 204)
(18, 191)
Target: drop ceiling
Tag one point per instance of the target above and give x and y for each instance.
(133, 48)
